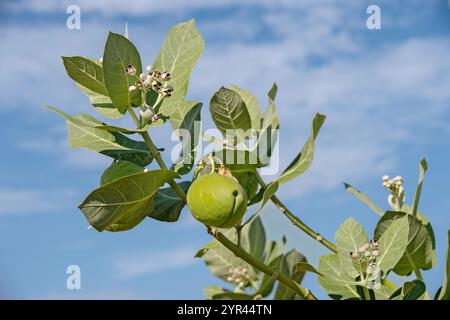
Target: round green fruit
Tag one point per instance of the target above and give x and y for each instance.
(217, 200)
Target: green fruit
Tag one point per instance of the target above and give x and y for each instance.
(217, 200)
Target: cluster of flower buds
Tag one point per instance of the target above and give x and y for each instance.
(238, 276)
(395, 185)
(368, 252)
(150, 79)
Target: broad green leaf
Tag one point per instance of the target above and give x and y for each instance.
(212, 290)
(269, 128)
(219, 259)
(119, 53)
(189, 138)
(122, 130)
(305, 267)
(444, 293)
(304, 159)
(248, 181)
(384, 293)
(83, 132)
(288, 267)
(119, 169)
(411, 290)
(252, 106)
(256, 238)
(365, 199)
(422, 169)
(230, 113)
(128, 196)
(87, 73)
(334, 280)
(167, 205)
(392, 244)
(101, 103)
(179, 53)
(419, 253)
(349, 238)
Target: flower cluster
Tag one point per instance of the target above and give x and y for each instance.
(368, 252)
(395, 185)
(151, 79)
(238, 276)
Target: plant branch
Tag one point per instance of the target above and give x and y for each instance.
(294, 219)
(305, 228)
(157, 155)
(239, 252)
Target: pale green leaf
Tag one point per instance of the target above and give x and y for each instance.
(305, 267)
(304, 159)
(422, 169)
(101, 103)
(86, 72)
(349, 238)
(179, 53)
(392, 244)
(365, 199)
(119, 53)
(288, 267)
(129, 196)
(334, 280)
(83, 132)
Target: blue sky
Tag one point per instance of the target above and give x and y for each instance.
(386, 94)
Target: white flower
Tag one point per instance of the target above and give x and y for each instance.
(367, 253)
(132, 89)
(142, 76)
(376, 253)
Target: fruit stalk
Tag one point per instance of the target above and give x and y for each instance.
(239, 252)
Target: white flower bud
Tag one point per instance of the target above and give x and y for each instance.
(142, 76)
(155, 118)
(130, 70)
(146, 113)
(385, 177)
(364, 247)
(132, 89)
(149, 68)
(367, 253)
(376, 253)
(165, 76)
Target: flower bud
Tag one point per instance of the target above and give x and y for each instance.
(167, 91)
(156, 74)
(367, 253)
(165, 76)
(130, 70)
(376, 253)
(155, 118)
(385, 177)
(146, 113)
(142, 76)
(364, 247)
(156, 85)
(149, 68)
(132, 89)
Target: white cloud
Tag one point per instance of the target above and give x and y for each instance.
(18, 201)
(135, 265)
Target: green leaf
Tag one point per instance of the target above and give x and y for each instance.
(337, 283)
(191, 124)
(365, 199)
(411, 290)
(230, 113)
(419, 253)
(422, 169)
(268, 282)
(349, 238)
(128, 196)
(119, 53)
(444, 293)
(101, 103)
(304, 159)
(86, 72)
(179, 53)
(269, 128)
(83, 132)
(288, 267)
(305, 267)
(252, 106)
(268, 193)
(255, 235)
(392, 244)
(167, 206)
(119, 169)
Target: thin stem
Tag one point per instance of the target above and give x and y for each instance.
(157, 155)
(239, 252)
(295, 220)
(305, 228)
